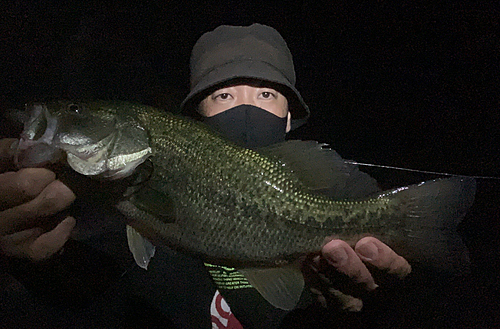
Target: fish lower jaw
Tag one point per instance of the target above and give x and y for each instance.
(32, 153)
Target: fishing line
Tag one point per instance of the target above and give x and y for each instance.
(418, 171)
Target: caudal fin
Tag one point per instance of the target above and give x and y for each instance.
(431, 213)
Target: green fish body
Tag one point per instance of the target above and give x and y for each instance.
(234, 206)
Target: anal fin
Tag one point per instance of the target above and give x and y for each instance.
(281, 286)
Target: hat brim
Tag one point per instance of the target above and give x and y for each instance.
(247, 69)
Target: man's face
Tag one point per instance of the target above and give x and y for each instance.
(266, 98)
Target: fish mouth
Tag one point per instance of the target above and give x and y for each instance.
(89, 144)
(35, 147)
(44, 142)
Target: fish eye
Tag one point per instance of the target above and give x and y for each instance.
(75, 108)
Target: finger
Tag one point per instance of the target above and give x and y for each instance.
(341, 256)
(35, 245)
(378, 254)
(320, 297)
(21, 237)
(16, 244)
(21, 186)
(336, 298)
(54, 198)
(13, 244)
(51, 242)
(348, 302)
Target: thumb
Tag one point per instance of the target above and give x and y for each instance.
(51, 242)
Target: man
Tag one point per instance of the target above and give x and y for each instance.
(242, 84)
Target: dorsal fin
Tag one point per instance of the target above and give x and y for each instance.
(322, 170)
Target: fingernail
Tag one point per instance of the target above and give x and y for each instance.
(337, 257)
(61, 190)
(369, 251)
(71, 221)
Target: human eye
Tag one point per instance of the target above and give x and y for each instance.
(268, 94)
(222, 96)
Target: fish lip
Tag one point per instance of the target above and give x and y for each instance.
(31, 152)
(48, 148)
(36, 154)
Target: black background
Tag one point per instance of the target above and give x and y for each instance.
(412, 84)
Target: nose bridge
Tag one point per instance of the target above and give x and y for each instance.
(246, 96)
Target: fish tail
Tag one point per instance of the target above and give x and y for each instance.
(431, 213)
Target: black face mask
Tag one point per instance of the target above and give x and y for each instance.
(249, 126)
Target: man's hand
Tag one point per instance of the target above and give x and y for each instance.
(353, 275)
(27, 198)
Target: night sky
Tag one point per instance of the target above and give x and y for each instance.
(409, 83)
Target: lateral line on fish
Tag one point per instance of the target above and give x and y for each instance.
(416, 170)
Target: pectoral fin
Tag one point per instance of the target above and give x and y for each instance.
(282, 286)
(154, 203)
(142, 249)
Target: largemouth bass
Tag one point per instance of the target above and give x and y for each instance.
(256, 211)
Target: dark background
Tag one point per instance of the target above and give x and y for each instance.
(412, 84)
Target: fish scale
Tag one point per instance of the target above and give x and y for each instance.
(186, 148)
